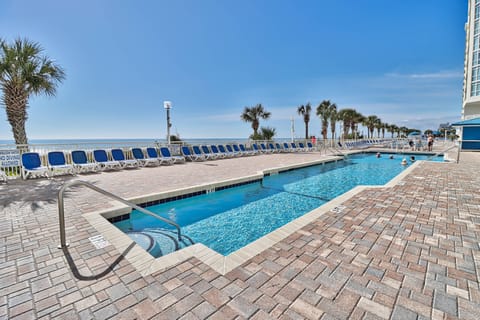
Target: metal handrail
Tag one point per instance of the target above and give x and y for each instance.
(441, 152)
(61, 209)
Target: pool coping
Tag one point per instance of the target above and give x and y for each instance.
(147, 264)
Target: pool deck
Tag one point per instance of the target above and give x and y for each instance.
(410, 251)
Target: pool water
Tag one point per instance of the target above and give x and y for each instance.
(229, 219)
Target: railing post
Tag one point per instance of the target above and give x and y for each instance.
(61, 218)
(61, 209)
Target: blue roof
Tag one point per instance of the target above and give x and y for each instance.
(465, 123)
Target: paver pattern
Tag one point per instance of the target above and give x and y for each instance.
(406, 252)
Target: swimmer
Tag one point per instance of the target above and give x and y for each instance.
(412, 158)
(378, 155)
(404, 162)
(391, 156)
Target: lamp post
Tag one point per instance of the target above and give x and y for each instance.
(293, 129)
(168, 105)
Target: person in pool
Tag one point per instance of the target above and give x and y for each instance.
(391, 156)
(378, 155)
(412, 158)
(404, 162)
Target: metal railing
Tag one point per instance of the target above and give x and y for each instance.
(61, 208)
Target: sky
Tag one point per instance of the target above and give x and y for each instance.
(399, 60)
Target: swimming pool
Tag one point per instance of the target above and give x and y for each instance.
(229, 219)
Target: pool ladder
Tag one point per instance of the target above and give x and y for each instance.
(61, 208)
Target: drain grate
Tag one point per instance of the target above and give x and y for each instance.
(338, 209)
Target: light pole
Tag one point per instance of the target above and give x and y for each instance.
(293, 129)
(168, 105)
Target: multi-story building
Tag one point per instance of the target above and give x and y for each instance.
(470, 126)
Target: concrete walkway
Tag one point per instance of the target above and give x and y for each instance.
(406, 252)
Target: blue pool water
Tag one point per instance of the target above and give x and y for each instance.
(229, 219)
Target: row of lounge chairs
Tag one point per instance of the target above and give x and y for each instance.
(78, 160)
(201, 153)
(116, 159)
(362, 144)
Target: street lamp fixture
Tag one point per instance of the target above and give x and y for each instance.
(168, 105)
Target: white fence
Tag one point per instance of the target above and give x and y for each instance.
(10, 154)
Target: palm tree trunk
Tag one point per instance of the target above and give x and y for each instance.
(306, 130)
(15, 101)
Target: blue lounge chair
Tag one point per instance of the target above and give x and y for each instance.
(207, 151)
(223, 150)
(279, 147)
(32, 166)
(81, 164)
(191, 156)
(101, 158)
(217, 152)
(197, 151)
(232, 151)
(310, 147)
(272, 147)
(286, 147)
(236, 148)
(57, 163)
(153, 154)
(264, 148)
(255, 148)
(118, 155)
(165, 152)
(294, 147)
(247, 152)
(143, 161)
(301, 147)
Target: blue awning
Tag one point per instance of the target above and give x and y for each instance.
(475, 122)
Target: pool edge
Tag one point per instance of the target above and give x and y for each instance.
(146, 264)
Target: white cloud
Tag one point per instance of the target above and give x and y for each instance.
(444, 74)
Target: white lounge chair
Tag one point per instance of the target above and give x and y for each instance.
(142, 160)
(101, 158)
(118, 155)
(32, 166)
(57, 163)
(81, 164)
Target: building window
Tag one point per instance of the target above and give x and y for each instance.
(475, 74)
(475, 89)
(477, 11)
(476, 58)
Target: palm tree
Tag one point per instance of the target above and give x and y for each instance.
(384, 127)
(403, 130)
(324, 111)
(392, 128)
(304, 110)
(370, 122)
(267, 133)
(24, 72)
(357, 118)
(253, 115)
(378, 126)
(346, 116)
(333, 119)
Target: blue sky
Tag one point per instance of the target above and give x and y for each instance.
(400, 60)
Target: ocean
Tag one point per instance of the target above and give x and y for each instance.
(72, 144)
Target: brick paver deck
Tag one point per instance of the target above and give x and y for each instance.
(406, 252)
